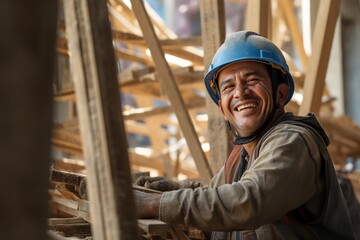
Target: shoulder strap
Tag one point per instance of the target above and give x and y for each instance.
(232, 163)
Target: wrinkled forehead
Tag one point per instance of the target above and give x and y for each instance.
(245, 68)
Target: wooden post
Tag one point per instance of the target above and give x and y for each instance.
(287, 8)
(322, 40)
(92, 62)
(213, 35)
(258, 17)
(27, 60)
(168, 83)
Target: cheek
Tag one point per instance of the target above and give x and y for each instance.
(224, 101)
(220, 102)
(265, 91)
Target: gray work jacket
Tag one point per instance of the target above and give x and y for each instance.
(289, 190)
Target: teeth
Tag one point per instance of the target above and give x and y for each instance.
(241, 107)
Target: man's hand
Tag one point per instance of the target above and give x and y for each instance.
(147, 204)
(164, 184)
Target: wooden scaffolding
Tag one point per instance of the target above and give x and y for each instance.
(132, 108)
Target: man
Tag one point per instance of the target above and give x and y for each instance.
(279, 181)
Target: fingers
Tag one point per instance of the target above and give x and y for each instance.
(141, 181)
(162, 185)
(157, 183)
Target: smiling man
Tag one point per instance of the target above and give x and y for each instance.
(279, 181)
(246, 97)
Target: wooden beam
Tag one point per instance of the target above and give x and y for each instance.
(74, 206)
(142, 81)
(133, 39)
(213, 34)
(170, 87)
(127, 54)
(258, 17)
(288, 10)
(70, 227)
(190, 53)
(69, 165)
(102, 129)
(156, 163)
(124, 18)
(141, 113)
(315, 77)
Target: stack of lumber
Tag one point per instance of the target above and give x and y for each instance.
(70, 215)
(69, 207)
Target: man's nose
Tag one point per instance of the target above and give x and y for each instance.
(240, 89)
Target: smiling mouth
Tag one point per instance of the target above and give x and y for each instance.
(245, 106)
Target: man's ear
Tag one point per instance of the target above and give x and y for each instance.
(221, 109)
(282, 94)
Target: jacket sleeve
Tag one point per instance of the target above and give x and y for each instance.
(218, 179)
(282, 178)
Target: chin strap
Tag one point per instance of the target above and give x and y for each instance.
(243, 140)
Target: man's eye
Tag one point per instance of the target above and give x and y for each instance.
(252, 82)
(226, 87)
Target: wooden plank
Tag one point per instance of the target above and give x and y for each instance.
(72, 220)
(68, 203)
(66, 177)
(314, 7)
(190, 53)
(69, 165)
(156, 163)
(183, 75)
(133, 56)
(288, 10)
(78, 230)
(135, 159)
(315, 77)
(145, 81)
(27, 60)
(169, 85)
(133, 39)
(102, 129)
(132, 76)
(139, 128)
(123, 18)
(153, 226)
(61, 206)
(258, 17)
(212, 15)
(141, 113)
(74, 182)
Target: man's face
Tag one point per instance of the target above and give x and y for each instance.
(246, 95)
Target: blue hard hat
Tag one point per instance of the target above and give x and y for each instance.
(246, 46)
